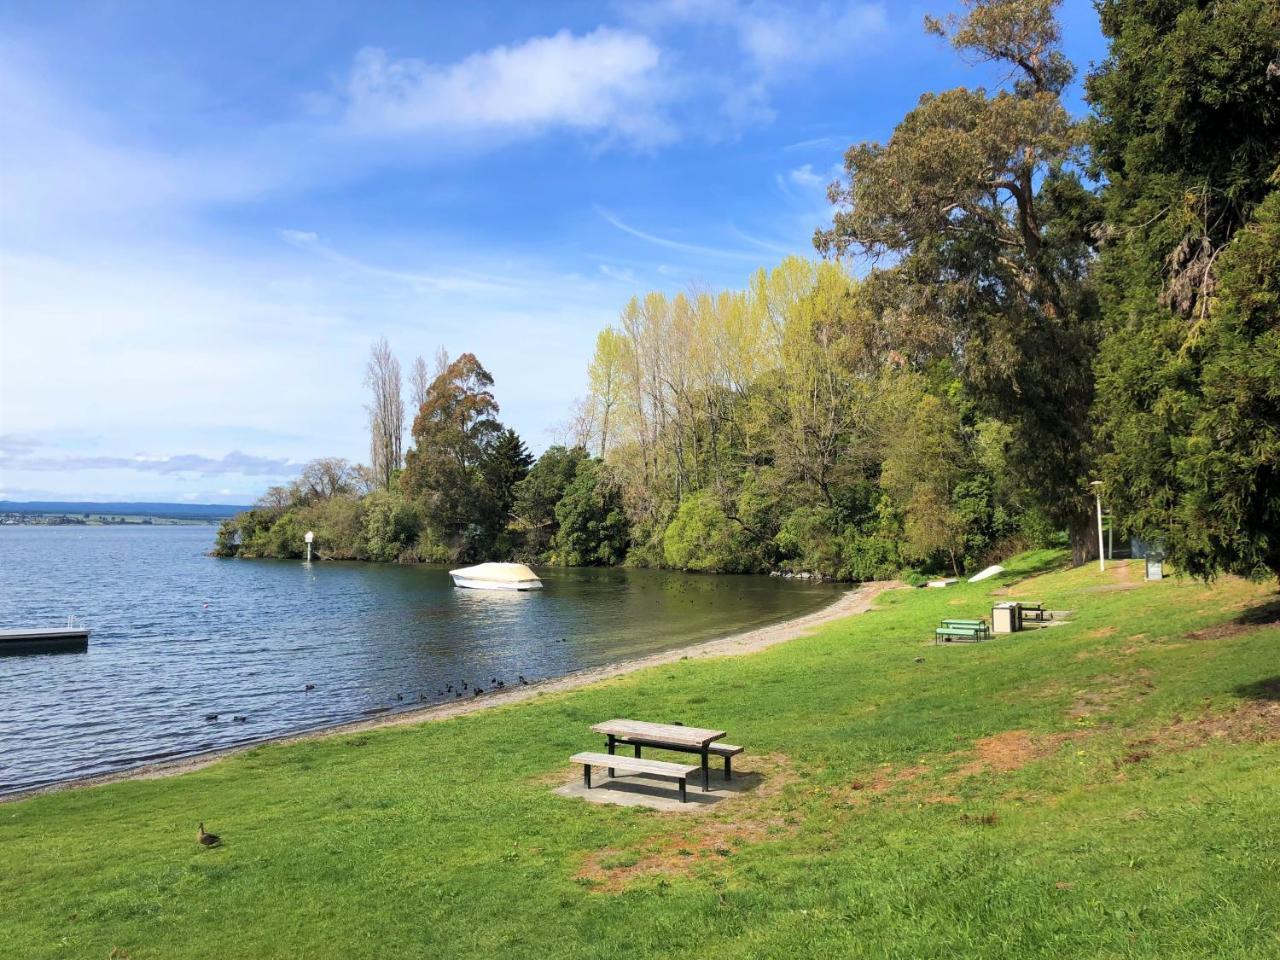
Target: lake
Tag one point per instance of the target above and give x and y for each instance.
(179, 636)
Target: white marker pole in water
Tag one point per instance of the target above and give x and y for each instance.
(1102, 554)
(309, 537)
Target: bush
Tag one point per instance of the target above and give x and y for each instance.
(392, 525)
(702, 538)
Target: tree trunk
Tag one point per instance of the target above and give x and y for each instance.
(1083, 531)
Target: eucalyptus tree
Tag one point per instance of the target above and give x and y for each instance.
(977, 224)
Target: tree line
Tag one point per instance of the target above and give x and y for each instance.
(1041, 301)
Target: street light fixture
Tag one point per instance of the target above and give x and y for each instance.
(1097, 492)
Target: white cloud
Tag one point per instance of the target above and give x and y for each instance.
(804, 176)
(607, 81)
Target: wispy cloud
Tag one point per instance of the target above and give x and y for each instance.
(607, 81)
(234, 463)
(15, 445)
(691, 248)
(456, 281)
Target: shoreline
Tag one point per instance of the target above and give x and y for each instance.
(853, 602)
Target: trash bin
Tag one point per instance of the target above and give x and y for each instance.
(1006, 618)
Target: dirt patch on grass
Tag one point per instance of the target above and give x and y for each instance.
(1251, 722)
(1254, 616)
(686, 846)
(710, 842)
(1091, 702)
(1012, 750)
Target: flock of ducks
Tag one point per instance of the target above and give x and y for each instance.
(466, 687)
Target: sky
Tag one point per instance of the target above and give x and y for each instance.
(209, 212)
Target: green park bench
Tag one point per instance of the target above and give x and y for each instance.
(962, 630)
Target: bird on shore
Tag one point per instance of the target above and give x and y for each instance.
(206, 839)
(477, 691)
(399, 696)
(523, 681)
(464, 684)
(457, 695)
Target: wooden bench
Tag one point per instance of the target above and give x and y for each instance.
(655, 768)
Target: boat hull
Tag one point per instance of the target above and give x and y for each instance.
(471, 583)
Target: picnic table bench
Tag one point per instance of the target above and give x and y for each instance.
(669, 736)
(955, 629)
(1033, 610)
(655, 768)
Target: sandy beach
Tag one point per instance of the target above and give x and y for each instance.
(856, 601)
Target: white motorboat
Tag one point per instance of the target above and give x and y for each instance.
(496, 576)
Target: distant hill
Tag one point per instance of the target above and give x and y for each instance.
(176, 511)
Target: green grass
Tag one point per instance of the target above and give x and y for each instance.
(1134, 813)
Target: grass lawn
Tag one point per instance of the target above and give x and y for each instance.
(1108, 788)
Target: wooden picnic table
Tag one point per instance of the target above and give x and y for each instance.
(670, 736)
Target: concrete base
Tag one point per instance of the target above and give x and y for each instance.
(639, 790)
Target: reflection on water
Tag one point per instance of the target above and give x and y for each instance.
(183, 643)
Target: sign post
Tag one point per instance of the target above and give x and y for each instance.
(309, 537)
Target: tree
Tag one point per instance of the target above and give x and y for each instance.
(924, 465)
(386, 412)
(506, 463)
(977, 204)
(328, 477)
(453, 432)
(1187, 135)
(605, 376)
(537, 495)
(591, 523)
(419, 383)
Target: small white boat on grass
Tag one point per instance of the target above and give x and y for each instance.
(496, 576)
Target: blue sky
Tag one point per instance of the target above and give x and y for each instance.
(208, 212)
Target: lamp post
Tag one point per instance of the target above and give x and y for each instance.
(1097, 493)
(309, 537)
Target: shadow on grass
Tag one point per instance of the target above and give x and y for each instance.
(1258, 617)
(1268, 689)
(1263, 615)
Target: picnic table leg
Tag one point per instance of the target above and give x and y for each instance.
(612, 741)
(637, 751)
(683, 795)
(728, 768)
(706, 772)
(586, 775)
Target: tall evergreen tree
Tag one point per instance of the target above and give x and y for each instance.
(1187, 135)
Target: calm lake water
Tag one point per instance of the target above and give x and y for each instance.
(178, 636)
